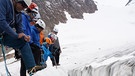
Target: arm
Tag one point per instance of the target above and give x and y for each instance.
(18, 23)
(4, 26)
(24, 23)
(7, 29)
(57, 45)
(6, 17)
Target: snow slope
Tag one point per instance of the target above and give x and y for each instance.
(102, 44)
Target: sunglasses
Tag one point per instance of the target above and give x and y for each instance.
(33, 14)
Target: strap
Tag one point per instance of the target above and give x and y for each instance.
(3, 51)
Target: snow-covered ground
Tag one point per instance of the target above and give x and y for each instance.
(102, 44)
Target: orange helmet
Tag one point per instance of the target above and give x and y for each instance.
(33, 6)
(48, 40)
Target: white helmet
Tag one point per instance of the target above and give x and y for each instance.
(41, 23)
(55, 29)
(28, 2)
(37, 17)
(53, 36)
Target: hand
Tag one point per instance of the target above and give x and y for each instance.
(20, 35)
(27, 38)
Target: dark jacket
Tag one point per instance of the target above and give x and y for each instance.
(57, 45)
(9, 19)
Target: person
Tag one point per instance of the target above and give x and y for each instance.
(12, 33)
(46, 53)
(35, 45)
(27, 17)
(36, 29)
(55, 47)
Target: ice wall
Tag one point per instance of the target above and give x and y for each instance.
(120, 64)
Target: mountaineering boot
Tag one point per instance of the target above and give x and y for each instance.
(35, 69)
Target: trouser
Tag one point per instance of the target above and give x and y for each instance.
(23, 68)
(36, 53)
(24, 48)
(56, 60)
(53, 61)
(37, 56)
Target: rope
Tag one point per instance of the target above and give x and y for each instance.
(3, 51)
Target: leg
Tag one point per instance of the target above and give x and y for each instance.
(36, 53)
(24, 48)
(57, 58)
(53, 62)
(22, 69)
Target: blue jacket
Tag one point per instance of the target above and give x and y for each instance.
(26, 25)
(35, 36)
(9, 19)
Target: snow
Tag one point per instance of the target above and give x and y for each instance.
(101, 41)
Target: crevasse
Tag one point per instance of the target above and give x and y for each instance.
(120, 64)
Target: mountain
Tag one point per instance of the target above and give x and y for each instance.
(53, 11)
